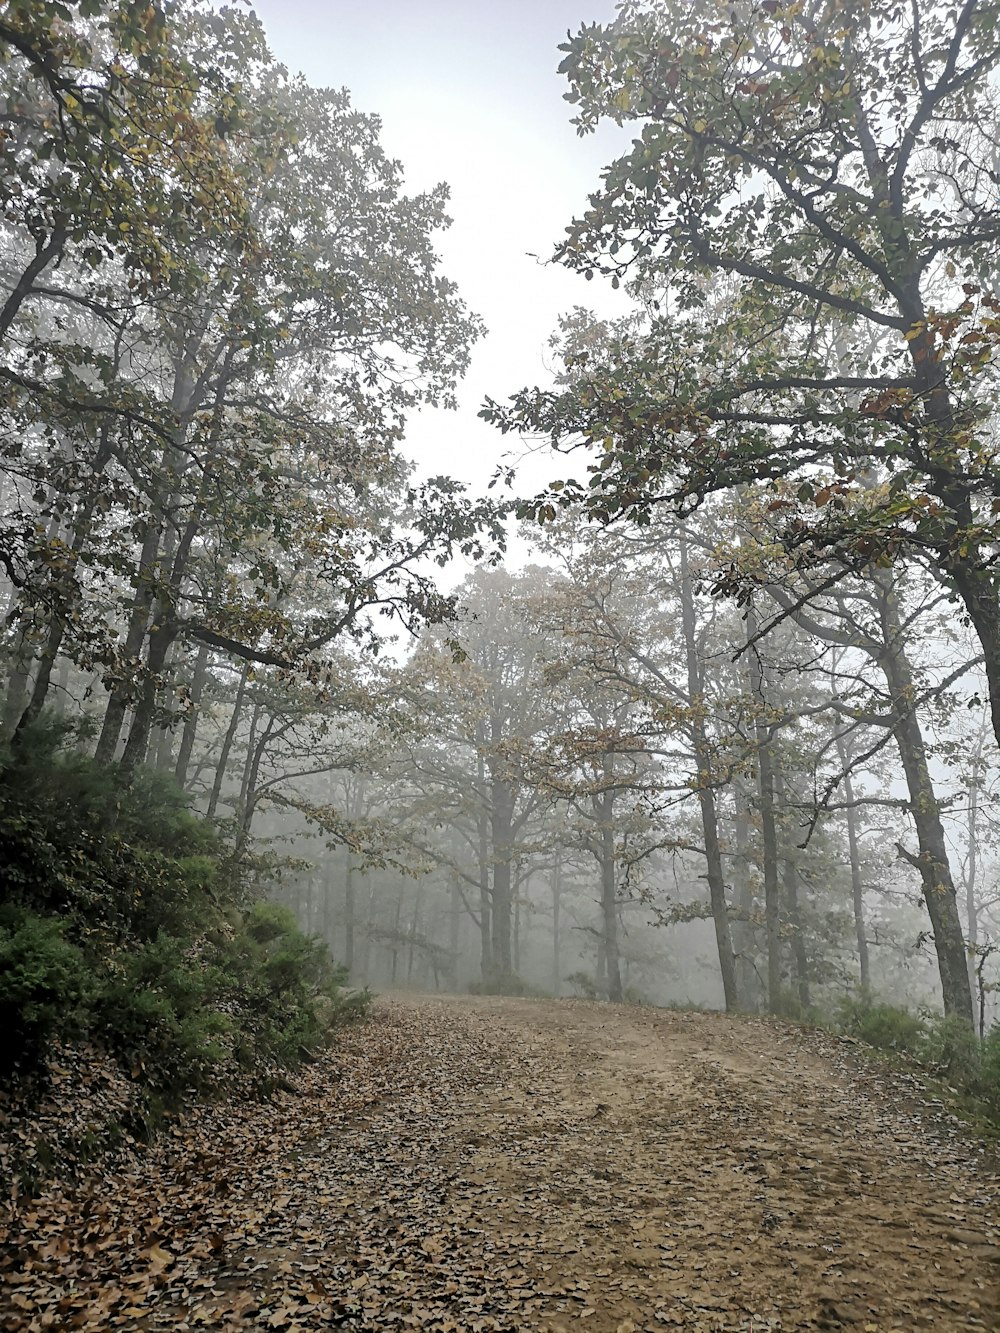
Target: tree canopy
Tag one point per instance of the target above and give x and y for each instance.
(809, 218)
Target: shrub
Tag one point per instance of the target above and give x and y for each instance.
(124, 923)
(506, 983)
(42, 983)
(884, 1026)
(584, 984)
(951, 1048)
(989, 1072)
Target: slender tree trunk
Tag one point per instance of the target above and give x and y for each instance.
(706, 792)
(66, 592)
(483, 831)
(769, 831)
(455, 920)
(396, 935)
(326, 880)
(18, 690)
(501, 820)
(932, 862)
(250, 759)
(972, 864)
(227, 743)
(790, 883)
(251, 778)
(366, 951)
(349, 913)
(18, 680)
(605, 809)
(516, 946)
(199, 675)
(413, 932)
(857, 882)
(556, 904)
(745, 935)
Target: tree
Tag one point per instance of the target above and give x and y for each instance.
(211, 462)
(876, 620)
(478, 684)
(809, 211)
(619, 612)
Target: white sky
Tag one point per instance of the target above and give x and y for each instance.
(468, 93)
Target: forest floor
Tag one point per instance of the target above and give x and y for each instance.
(463, 1164)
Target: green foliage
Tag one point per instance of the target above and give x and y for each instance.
(42, 981)
(122, 927)
(950, 1047)
(114, 859)
(942, 1044)
(989, 1072)
(884, 1026)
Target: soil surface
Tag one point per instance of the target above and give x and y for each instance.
(463, 1164)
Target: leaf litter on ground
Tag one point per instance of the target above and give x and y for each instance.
(466, 1164)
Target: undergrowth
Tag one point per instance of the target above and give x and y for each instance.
(125, 929)
(508, 983)
(942, 1045)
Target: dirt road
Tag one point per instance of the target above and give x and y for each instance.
(471, 1164)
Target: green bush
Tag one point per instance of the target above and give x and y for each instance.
(884, 1026)
(951, 1048)
(943, 1044)
(116, 860)
(43, 979)
(125, 923)
(989, 1072)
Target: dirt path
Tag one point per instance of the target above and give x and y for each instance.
(473, 1164)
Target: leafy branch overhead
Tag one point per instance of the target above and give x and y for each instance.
(808, 216)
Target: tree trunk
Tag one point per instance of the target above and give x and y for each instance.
(857, 883)
(199, 675)
(134, 754)
(396, 935)
(556, 904)
(706, 792)
(790, 883)
(17, 695)
(501, 819)
(366, 951)
(483, 831)
(349, 913)
(412, 933)
(769, 831)
(972, 862)
(609, 886)
(227, 743)
(455, 922)
(80, 532)
(516, 946)
(932, 861)
(121, 694)
(746, 945)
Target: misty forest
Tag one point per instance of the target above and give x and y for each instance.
(574, 897)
